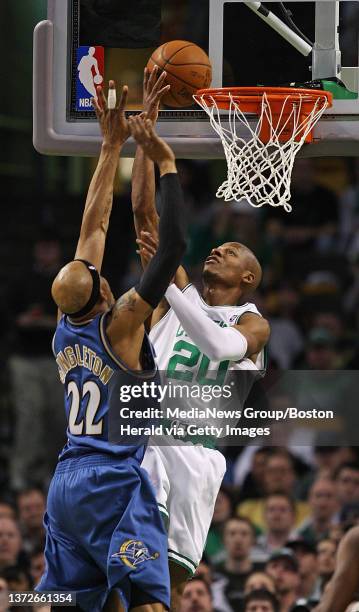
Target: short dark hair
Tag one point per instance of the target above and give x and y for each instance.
(348, 465)
(261, 595)
(242, 519)
(28, 491)
(289, 498)
(196, 578)
(15, 572)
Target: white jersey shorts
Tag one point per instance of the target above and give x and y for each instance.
(186, 479)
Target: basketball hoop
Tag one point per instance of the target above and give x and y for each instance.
(260, 167)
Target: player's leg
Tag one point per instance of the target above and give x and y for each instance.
(113, 603)
(139, 547)
(199, 472)
(178, 576)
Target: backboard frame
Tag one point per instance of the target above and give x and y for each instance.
(187, 131)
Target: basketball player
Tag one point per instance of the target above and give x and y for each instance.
(105, 536)
(195, 337)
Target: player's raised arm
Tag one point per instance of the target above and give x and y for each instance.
(73, 289)
(143, 173)
(145, 214)
(132, 309)
(95, 220)
(219, 343)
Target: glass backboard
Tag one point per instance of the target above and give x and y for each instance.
(115, 39)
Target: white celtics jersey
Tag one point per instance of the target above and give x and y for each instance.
(179, 359)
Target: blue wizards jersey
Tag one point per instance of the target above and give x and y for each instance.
(87, 368)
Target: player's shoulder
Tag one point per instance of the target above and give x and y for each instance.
(243, 309)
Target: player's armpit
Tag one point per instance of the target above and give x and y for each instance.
(256, 331)
(181, 278)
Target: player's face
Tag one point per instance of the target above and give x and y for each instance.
(227, 263)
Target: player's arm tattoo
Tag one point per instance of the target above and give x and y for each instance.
(132, 303)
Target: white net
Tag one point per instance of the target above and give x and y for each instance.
(260, 172)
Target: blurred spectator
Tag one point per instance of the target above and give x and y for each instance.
(6, 510)
(326, 555)
(261, 600)
(306, 554)
(37, 392)
(217, 229)
(347, 483)
(326, 460)
(249, 471)
(323, 505)
(230, 576)
(283, 567)
(259, 580)
(321, 353)
(312, 224)
(10, 542)
(197, 596)
(286, 339)
(17, 578)
(223, 509)
(279, 518)
(279, 477)
(3, 595)
(31, 505)
(37, 564)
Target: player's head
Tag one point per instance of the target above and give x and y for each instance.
(92, 51)
(80, 291)
(232, 264)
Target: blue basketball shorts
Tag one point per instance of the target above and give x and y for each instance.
(104, 532)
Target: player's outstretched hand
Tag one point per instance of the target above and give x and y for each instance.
(111, 116)
(154, 89)
(147, 246)
(154, 147)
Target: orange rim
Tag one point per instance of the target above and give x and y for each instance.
(250, 98)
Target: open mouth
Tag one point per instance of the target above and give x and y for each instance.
(212, 258)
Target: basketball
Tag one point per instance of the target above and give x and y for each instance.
(188, 69)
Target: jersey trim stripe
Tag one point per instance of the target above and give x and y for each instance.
(121, 364)
(190, 565)
(222, 305)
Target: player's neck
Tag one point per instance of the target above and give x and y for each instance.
(216, 295)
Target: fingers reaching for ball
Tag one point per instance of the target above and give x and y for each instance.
(143, 132)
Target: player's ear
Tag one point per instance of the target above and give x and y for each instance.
(248, 278)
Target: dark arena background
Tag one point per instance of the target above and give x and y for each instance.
(298, 494)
